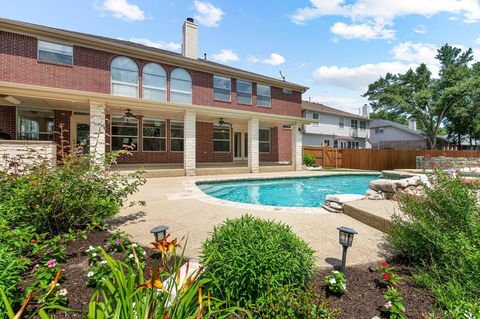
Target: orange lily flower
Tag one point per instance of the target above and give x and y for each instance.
(25, 303)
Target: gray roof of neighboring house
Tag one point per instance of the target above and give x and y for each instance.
(386, 123)
(322, 108)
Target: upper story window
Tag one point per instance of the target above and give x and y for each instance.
(264, 94)
(154, 82)
(55, 52)
(287, 91)
(354, 124)
(222, 88)
(244, 92)
(180, 86)
(379, 131)
(363, 125)
(124, 77)
(341, 122)
(315, 116)
(35, 125)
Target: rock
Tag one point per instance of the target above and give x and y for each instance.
(327, 206)
(383, 185)
(336, 206)
(343, 198)
(376, 196)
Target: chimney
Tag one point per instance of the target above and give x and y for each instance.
(365, 111)
(190, 39)
(412, 124)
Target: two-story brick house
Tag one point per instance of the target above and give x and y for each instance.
(171, 107)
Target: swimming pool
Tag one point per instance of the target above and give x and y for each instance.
(289, 192)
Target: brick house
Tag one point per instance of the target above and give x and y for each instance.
(173, 108)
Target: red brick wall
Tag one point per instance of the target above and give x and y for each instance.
(91, 72)
(284, 144)
(8, 121)
(204, 140)
(272, 156)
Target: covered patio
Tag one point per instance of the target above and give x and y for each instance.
(180, 138)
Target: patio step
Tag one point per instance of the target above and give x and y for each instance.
(374, 213)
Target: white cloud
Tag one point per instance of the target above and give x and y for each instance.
(121, 9)
(274, 59)
(253, 59)
(415, 52)
(208, 14)
(420, 29)
(362, 31)
(225, 55)
(359, 77)
(171, 46)
(369, 17)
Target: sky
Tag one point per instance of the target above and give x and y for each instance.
(335, 47)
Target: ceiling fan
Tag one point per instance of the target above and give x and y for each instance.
(128, 116)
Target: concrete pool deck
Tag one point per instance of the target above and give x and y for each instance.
(175, 202)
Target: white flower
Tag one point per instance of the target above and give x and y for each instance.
(134, 245)
(344, 286)
(376, 317)
(130, 256)
(335, 272)
(332, 281)
(63, 292)
(90, 274)
(144, 252)
(94, 255)
(103, 262)
(90, 248)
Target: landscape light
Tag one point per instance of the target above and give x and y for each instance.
(159, 232)
(345, 237)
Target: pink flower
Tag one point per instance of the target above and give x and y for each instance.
(388, 305)
(106, 245)
(118, 242)
(51, 263)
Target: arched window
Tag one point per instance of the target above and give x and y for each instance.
(181, 86)
(124, 77)
(154, 82)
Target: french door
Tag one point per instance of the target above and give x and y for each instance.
(240, 145)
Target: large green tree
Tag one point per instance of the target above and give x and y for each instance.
(419, 95)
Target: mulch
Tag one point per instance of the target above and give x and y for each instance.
(364, 296)
(363, 299)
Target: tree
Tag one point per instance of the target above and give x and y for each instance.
(419, 95)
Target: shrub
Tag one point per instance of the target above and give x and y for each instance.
(11, 268)
(71, 195)
(441, 235)
(308, 159)
(288, 303)
(244, 257)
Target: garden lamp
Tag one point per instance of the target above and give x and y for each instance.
(159, 232)
(346, 239)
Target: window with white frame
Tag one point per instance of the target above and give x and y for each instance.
(363, 125)
(221, 138)
(343, 144)
(55, 52)
(341, 122)
(315, 116)
(264, 94)
(354, 124)
(35, 124)
(180, 86)
(264, 140)
(379, 131)
(222, 88)
(326, 142)
(154, 82)
(154, 135)
(124, 133)
(124, 77)
(176, 136)
(244, 92)
(335, 143)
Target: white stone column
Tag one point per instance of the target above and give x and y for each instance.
(189, 139)
(97, 131)
(253, 153)
(297, 146)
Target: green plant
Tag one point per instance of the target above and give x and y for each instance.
(335, 283)
(393, 308)
(246, 256)
(440, 234)
(309, 159)
(11, 268)
(388, 274)
(289, 303)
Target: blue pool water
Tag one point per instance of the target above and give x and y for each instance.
(290, 192)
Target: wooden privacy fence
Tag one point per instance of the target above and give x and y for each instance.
(376, 159)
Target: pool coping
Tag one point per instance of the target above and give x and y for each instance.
(191, 186)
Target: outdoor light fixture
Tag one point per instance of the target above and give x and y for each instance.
(128, 115)
(221, 121)
(159, 232)
(346, 239)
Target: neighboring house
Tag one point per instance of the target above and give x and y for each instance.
(388, 134)
(171, 107)
(335, 128)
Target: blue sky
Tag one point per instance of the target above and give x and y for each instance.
(336, 47)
